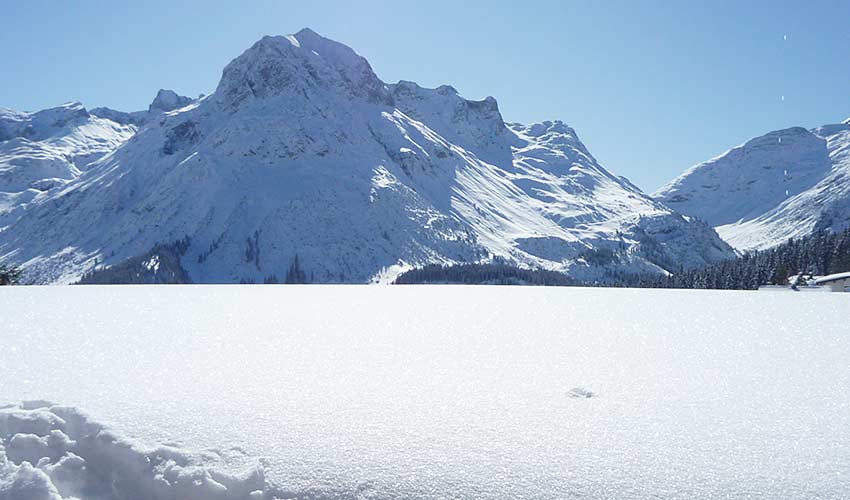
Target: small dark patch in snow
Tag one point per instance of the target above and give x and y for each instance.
(581, 392)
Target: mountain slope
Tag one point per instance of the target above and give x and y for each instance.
(49, 148)
(785, 184)
(303, 151)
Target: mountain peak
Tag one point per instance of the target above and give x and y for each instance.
(785, 184)
(39, 125)
(72, 106)
(549, 127)
(305, 32)
(168, 100)
(335, 53)
(299, 65)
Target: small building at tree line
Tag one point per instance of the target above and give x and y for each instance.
(839, 282)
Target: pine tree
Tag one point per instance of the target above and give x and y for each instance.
(780, 276)
(295, 274)
(9, 275)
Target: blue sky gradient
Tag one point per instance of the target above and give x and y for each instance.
(650, 87)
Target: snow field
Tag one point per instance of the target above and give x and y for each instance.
(423, 392)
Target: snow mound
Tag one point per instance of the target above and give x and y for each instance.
(581, 392)
(54, 452)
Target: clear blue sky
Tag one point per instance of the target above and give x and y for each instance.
(651, 87)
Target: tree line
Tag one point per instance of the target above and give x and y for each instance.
(479, 274)
(821, 253)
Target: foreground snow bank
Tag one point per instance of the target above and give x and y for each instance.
(53, 452)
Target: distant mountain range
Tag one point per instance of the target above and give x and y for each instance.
(785, 184)
(303, 152)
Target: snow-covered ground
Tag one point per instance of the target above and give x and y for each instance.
(422, 392)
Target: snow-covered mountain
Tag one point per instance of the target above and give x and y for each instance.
(785, 184)
(303, 151)
(49, 148)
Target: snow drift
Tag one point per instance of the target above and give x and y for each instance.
(50, 452)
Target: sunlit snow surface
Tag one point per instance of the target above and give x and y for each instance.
(434, 392)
